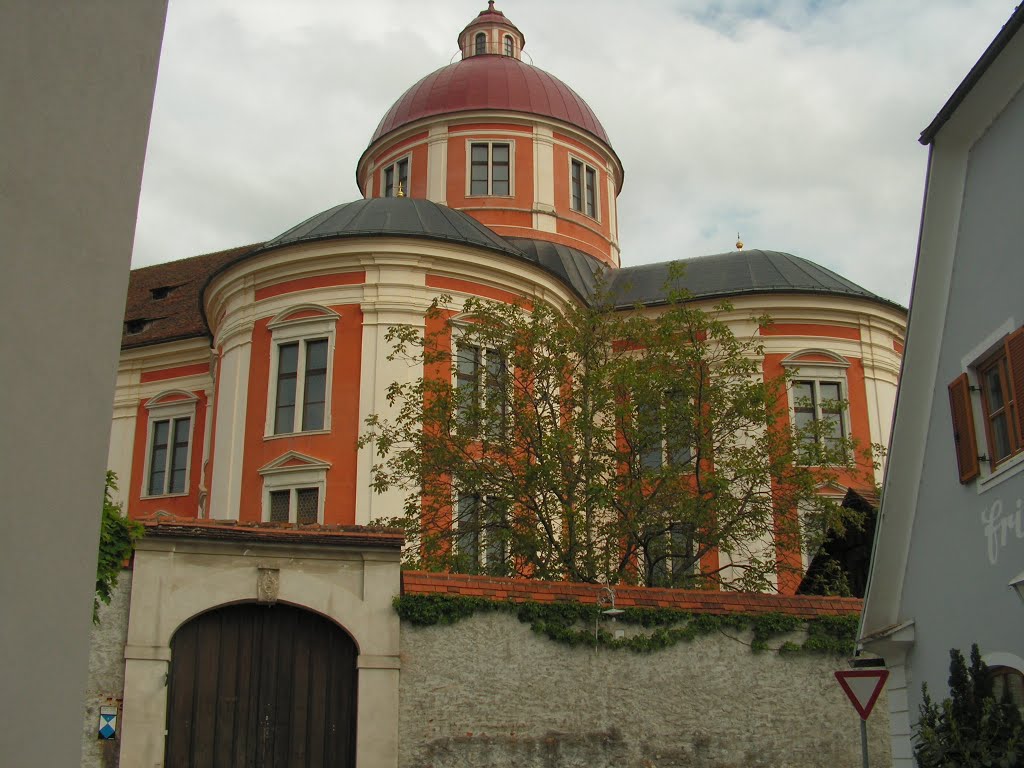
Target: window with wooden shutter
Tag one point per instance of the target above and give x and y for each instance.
(963, 429)
(1015, 358)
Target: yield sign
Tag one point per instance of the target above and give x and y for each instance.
(863, 687)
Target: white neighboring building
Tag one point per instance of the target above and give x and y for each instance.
(950, 536)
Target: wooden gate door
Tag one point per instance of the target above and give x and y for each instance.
(255, 686)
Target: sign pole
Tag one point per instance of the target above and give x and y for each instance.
(864, 742)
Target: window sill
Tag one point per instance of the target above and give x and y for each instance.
(1007, 469)
(147, 497)
(298, 434)
(484, 197)
(586, 216)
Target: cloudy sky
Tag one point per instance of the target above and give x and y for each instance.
(792, 122)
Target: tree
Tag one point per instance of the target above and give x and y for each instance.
(972, 727)
(118, 535)
(593, 444)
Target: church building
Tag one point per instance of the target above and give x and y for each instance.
(246, 375)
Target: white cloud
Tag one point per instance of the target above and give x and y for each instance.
(794, 122)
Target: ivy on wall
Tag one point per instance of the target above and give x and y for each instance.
(573, 624)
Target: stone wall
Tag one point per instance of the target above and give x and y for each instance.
(488, 691)
(106, 675)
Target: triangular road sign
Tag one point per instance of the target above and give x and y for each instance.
(863, 687)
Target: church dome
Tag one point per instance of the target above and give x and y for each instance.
(491, 82)
(394, 217)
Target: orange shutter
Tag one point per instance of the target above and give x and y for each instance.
(963, 428)
(1015, 360)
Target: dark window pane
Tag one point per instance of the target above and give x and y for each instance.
(591, 189)
(500, 173)
(994, 387)
(499, 153)
(179, 456)
(389, 182)
(509, 50)
(803, 391)
(284, 401)
(481, 43)
(499, 188)
(288, 358)
(314, 394)
(307, 502)
(829, 390)
(803, 418)
(158, 457)
(467, 542)
(576, 185)
(279, 504)
(648, 436)
(316, 355)
(480, 153)
(313, 415)
(403, 175)
(1001, 446)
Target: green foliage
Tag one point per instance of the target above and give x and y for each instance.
(549, 417)
(582, 624)
(971, 727)
(118, 535)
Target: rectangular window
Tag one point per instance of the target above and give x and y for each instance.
(670, 557)
(583, 188)
(663, 439)
(295, 505)
(396, 176)
(168, 456)
(816, 401)
(480, 378)
(301, 386)
(481, 541)
(999, 407)
(490, 168)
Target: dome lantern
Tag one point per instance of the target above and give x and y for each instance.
(491, 33)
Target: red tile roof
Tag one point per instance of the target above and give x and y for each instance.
(178, 315)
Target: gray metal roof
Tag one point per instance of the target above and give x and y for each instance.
(733, 274)
(574, 268)
(393, 216)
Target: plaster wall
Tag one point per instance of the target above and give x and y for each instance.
(488, 691)
(968, 540)
(76, 92)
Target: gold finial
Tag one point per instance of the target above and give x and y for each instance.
(401, 190)
(739, 243)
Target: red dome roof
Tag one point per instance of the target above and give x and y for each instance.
(491, 82)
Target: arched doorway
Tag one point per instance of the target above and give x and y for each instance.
(261, 686)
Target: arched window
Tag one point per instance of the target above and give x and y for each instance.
(509, 46)
(1007, 681)
(481, 43)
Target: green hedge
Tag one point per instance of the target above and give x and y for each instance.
(573, 624)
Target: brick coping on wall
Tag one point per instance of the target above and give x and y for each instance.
(163, 525)
(697, 601)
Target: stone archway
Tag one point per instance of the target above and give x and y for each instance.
(262, 686)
